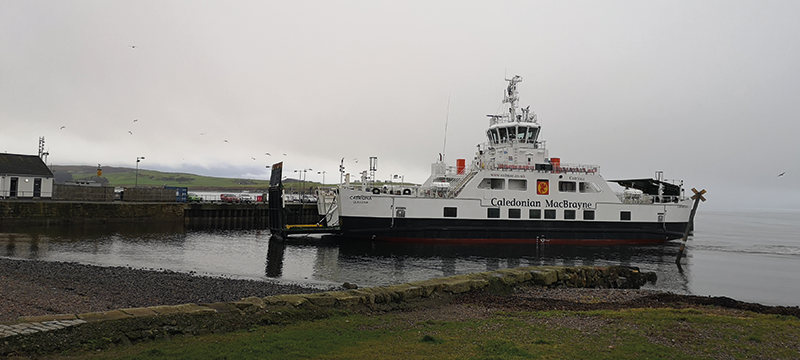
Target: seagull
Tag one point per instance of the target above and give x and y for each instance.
(781, 174)
(202, 133)
(62, 128)
(133, 46)
(268, 154)
(130, 132)
(284, 154)
(135, 120)
(254, 159)
(356, 160)
(226, 140)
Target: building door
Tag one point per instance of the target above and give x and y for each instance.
(37, 187)
(12, 190)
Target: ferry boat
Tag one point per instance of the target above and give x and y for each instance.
(512, 191)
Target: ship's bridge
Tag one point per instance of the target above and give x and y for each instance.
(513, 132)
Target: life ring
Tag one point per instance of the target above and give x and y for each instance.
(406, 191)
(376, 191)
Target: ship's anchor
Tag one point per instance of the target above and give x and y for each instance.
(698, 195)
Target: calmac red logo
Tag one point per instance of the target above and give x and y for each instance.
(542, 187)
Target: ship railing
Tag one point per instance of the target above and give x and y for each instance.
(629, 198)
(556, 169)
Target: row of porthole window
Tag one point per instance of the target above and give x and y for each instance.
(494, 213)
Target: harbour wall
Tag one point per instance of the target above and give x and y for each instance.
(18, 214)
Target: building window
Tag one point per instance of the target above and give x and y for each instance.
(588, 214)
(535, 213)
(493, 213)
(566, 186)
(450, 212)
(569, 214)
(517, 184)
(514, 213)
(624, 215)
(550, 214)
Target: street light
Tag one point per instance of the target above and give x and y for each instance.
(138, 158)
(303, 184)
(323, 177)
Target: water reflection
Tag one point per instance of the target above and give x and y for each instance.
(319, 260)
(367, 263)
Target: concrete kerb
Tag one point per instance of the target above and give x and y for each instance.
(385, 298)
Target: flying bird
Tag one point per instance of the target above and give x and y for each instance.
(225, 140)
(781, 174)
(268, 154)
(202, 133)
(284, 154)
(130, 132)
(133, 46)
(62, 128)
(356, 160)
(254, 159)
(135, 120)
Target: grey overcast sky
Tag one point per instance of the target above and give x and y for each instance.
(707, 91)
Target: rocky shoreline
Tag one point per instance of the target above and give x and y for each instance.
(34, 287)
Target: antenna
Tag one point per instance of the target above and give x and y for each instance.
(446, 119)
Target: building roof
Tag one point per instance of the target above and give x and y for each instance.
(23, 165)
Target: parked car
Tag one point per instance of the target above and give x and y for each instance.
(245, 198)
(192, 197)
(228, 198)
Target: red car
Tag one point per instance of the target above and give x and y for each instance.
(229, 198)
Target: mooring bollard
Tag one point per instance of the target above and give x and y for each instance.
(698, 195)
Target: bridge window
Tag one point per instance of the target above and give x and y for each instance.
(517, 184)
(514, 213)
(450, 212)
(503, 135)
(493, 213)
(535, 213)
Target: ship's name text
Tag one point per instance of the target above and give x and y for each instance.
(561, 204)
(361, 199)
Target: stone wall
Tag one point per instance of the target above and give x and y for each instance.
(63, 192)
(52, 213)
(54, 333)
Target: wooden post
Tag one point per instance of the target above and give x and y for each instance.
(698, 195)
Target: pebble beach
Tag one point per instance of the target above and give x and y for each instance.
(33, 287)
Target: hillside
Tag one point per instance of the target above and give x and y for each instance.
(121, 176)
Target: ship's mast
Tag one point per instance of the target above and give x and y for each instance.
(512, 96)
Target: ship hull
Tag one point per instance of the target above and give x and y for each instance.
(510, 231)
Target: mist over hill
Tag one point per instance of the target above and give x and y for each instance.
(124, 176)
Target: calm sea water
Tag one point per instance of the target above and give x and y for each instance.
(749, 256)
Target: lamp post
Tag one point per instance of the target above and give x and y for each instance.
(323, 177)
(303, 184)
(138, 158)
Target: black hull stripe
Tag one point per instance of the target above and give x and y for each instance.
(494, 231)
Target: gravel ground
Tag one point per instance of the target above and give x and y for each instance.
(32, 287)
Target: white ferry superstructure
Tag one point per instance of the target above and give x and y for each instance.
(512, 191)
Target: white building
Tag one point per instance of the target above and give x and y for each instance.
(24, 177)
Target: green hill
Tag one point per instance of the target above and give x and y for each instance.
(121, 176)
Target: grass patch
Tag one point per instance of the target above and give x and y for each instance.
(628, 334)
